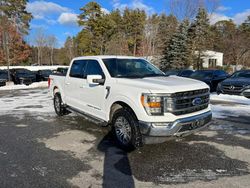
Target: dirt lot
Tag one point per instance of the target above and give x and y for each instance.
(39, 149)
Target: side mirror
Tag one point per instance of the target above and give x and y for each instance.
(95, 80)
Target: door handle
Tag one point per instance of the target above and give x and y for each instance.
(67, 83)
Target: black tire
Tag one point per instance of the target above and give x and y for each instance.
(135, 139)
(58, 105)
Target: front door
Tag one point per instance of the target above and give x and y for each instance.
(93, 95)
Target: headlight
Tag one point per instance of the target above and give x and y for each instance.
(247, 87)
(153, 104)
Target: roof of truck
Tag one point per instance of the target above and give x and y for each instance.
(108, 56)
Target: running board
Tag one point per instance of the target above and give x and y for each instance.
(88, 117)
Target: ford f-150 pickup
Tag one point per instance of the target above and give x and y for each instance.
(138, 101)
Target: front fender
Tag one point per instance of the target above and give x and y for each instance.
(134, 105)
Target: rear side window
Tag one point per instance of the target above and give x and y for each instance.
(93, 68)
(78, 68)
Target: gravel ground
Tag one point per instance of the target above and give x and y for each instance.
(39, 149)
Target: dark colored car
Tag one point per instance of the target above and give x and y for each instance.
(182, 73)
(237, 84)
(43, 75)
(210, 77)
(61, 71)
(3, 77)
(23, 76)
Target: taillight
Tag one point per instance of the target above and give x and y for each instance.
(49, 81)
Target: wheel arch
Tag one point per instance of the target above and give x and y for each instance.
(117, 105)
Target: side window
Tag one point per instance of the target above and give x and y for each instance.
(78, 68)
(186, 73)
(223, 73)
(93, 68)
(220, 73)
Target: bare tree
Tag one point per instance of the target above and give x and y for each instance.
(40, 42)
(69, 47)
(51, 43)
(187, 9)
(150, 35)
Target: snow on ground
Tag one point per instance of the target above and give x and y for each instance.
(31, 86)
(230, 98)
(229, 105)
(34, 68)
(36, 102)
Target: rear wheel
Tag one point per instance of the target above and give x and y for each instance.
(58, 105)
(126, 129)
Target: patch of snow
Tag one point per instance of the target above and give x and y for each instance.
(230, 98)
(220, 170)
(27, 101)
(21, 125)
(31, 86)
(35, 68)
(4, 153)
(222, 111)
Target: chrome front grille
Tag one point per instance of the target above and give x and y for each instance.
(232, 89)
(183, 102)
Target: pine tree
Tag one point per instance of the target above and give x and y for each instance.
(177, 51)
(200, 35)
(168, 25)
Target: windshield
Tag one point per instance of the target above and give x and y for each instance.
(23, 71)
(3, 75)
(202, 75)
(243, 74)
(131, 68)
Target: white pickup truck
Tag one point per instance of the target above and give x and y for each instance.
(139, 102)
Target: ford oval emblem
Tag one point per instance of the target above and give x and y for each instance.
(197, 101)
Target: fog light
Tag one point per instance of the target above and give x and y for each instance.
(164, 124)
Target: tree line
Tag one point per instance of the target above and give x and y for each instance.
(177, 40)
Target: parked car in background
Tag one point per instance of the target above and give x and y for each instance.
(237, 84)
(61, 71)
(43, 75)
(23, 76)
(182, 73)
(211, 77)
(3, 77)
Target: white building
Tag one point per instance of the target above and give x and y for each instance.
(212, 59)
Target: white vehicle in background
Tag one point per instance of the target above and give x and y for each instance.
(139, 102)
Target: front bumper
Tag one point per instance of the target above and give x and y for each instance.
(179, 128)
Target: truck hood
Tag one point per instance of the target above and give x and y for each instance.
(170, 84)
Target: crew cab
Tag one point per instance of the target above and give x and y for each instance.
(138, 101)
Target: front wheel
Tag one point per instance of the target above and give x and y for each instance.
(126, 129)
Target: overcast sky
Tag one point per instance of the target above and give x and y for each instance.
(59, 17)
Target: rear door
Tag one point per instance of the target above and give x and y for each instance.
(74, 83)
